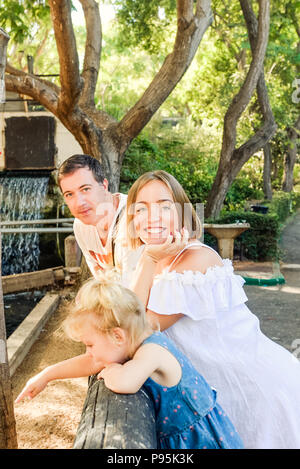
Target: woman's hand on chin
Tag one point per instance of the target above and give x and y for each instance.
(172, 246)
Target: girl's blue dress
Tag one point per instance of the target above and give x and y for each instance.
(187, 415)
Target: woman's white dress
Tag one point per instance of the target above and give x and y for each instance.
(257, 380)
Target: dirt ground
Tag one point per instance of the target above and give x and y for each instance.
(50, 420)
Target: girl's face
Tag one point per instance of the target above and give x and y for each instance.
(104, 347)
(155, 215)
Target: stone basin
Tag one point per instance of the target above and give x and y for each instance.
(226, 235)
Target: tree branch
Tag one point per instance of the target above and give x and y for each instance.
(14, 71)
(231, 159)
(255, 143)
(41, 47)
(40, 91)
(71, 82)
(293, 133)
(270, 126)
(92, 51)
(241, 100)
(19, 73)
(190, 30)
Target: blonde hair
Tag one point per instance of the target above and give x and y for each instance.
(107, 304)
(185, 210)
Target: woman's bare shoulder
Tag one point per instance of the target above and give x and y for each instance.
(197, 259)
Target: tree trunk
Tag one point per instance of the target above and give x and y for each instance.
(223, 180)
(73, 102)
(293, 132)
(232, 159)
(8, 435)
(291, 157)
(267, 171)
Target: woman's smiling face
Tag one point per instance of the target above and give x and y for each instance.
(155, 215)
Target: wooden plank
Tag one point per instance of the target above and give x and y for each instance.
(31, 280)
(115, 421)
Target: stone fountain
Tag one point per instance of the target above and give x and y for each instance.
(226, 235)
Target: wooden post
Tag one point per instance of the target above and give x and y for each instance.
(115, 421)
(72, 252)
(8, 435)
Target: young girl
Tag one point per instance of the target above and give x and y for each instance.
(111, 321)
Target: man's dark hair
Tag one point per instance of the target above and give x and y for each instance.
(75, 162)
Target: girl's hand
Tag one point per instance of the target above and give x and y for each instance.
(109, 370)
(109, 374)
(33, 387)
(172, 246)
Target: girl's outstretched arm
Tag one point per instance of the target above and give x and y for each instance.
(76, 367)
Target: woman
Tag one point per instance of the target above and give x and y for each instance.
(200, 304)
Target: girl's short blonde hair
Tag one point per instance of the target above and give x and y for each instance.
(186, 212)
(107, 304)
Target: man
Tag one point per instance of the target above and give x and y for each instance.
(97, 211)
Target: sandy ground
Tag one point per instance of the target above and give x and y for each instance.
(50, 420)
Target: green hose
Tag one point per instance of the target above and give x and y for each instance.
(277, 279)
(266, 282)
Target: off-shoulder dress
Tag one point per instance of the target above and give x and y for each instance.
(257, 380)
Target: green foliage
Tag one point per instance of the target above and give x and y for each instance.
(188, 161)
(171, 156)
(260, 242)
(295, 196)
(243, 188)
(144, 23)
(283, 204)
(126, 72)
(20, 18)
(135, 46)
(29, 26)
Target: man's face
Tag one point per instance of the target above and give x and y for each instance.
(84, 195)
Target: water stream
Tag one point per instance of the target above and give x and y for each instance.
(21, 198)
(17, 306)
